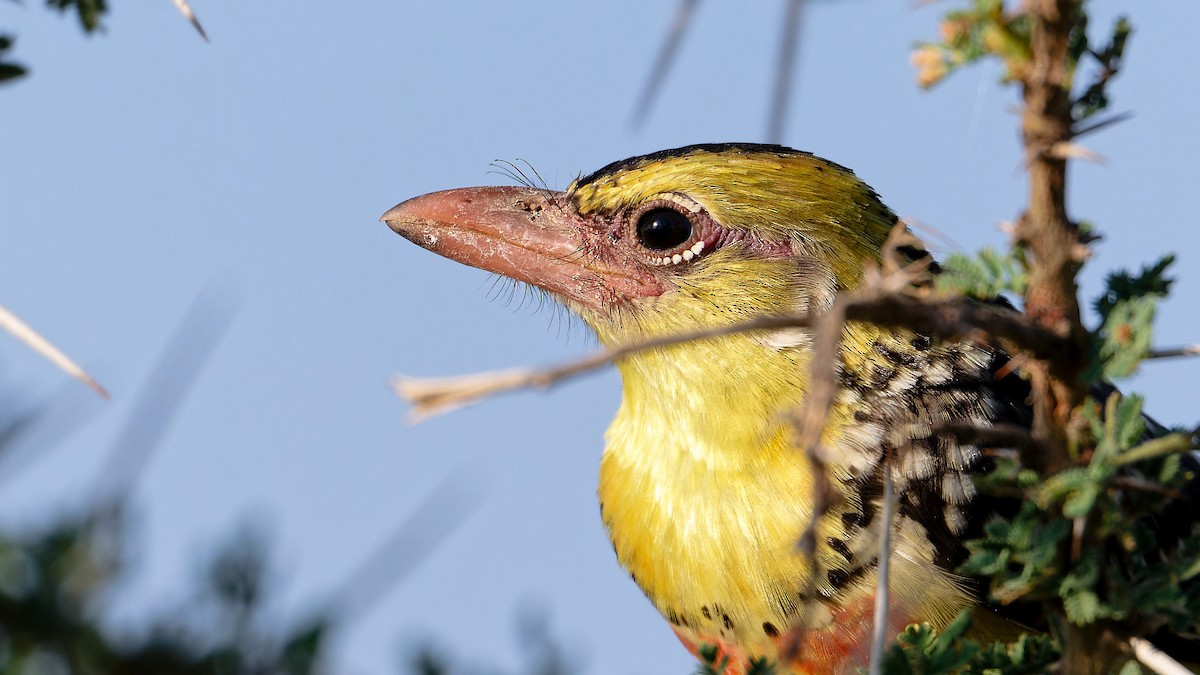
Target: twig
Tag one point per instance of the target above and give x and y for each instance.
(1131, 483)
(1171, 352)
(998, 436)
(879, 636)
(437, 516)
(951, 318)
(1067, 150)
(957, 318)
(1102, 124)
(783, 75)
(810, 418)
(432, 396)
(188, 14)
(662, 63)
(23, 332)
(1155, 659)
(174, 375)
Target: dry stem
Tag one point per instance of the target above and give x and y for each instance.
(25, 333)
(998, 436)
(1154, 658)
(879, 636)
(950, 318)
(1172, 352)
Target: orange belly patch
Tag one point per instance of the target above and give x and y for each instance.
(841, 647)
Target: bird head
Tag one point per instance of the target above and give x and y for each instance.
(675, 240)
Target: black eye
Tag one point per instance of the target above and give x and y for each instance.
(662, 229)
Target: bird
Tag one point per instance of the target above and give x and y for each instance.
(702, 488)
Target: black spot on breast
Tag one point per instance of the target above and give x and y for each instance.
(837, 578)
(725, 620)
(868, 515)
(898, 358)
(706, 613)
(841, 547)
(861, 416)
(922, 343)
(869, 488)
(672, 617)
(881, 376)
(852, 519)
(770, 629)
(850, 380)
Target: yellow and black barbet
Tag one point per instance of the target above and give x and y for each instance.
(702, 488)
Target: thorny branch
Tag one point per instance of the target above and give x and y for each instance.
(1052, 240)
(947, 318)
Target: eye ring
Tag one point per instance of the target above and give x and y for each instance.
(668, 230)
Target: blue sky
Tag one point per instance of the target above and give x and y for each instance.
(142, 167)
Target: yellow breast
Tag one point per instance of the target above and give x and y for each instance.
(705, 497)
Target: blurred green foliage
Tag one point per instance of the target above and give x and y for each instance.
(88, 12)
(985, 275)
(55, 585)
(8, 69)
(920, 649)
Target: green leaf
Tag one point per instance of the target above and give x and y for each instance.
(1063, 485)
(1125, 336)
(302, 651)
(1081, 501)
(1095, 98)
(11, 71)
(1082, 608)
(1130, 424)
(1121, 285)
(8, 70)
(984, 276)
(761, 667)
